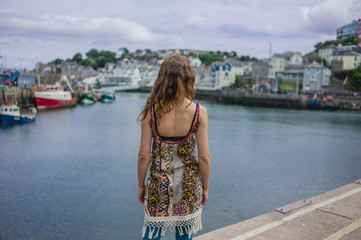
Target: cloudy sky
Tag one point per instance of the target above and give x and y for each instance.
(47, 29)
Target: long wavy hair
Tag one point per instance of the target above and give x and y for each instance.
(175, 82)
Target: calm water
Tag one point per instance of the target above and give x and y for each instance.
(71, 174)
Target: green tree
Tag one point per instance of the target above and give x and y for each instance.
(57, 61)
(354, 83)
(237, 82)
(124, 51)
(191, 54)
(108, 56)
(318, 45)
(58, 70)
(321, 60)
(208, 58)
(78, 57)
(249, 83)
(90, 62)
(93, 53)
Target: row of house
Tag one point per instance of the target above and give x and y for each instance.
(352, 29)
(341, 57)
(286, 68)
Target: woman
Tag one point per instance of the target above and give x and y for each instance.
(178, 181)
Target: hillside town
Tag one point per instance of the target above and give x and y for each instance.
(324, 69)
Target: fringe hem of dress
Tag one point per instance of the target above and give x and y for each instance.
(190, 224)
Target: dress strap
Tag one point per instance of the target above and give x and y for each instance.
(155, 118)
(175, 139)
(194, 118)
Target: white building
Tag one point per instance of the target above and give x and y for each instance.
(347, 60)
(218, 75)
(195, 61)
(315, 76)
(204, 78)
(280, 61)
(149, 76)
(326, 52)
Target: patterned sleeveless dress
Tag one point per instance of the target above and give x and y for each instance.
(173, 194)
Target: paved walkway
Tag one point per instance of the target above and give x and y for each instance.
(331, 216)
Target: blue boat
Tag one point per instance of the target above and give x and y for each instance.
(12, 113)
(108, 97)
(314, 104)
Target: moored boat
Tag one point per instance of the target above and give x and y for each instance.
(53, 96)
(87, 98)
(108, 97)
(314, 104)
(329, 104)
(12, 113)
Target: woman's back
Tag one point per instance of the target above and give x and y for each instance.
(178, 122)
(174, 148)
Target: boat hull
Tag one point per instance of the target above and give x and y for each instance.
(5, 119)
(87, 101)
(46, 103)
(329, 107)
(107, 99)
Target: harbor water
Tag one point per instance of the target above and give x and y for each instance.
(72, 173)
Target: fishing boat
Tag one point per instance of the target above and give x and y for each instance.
(314, 104)
(54, 96)
(87, 97)
(12, 113)
(108, 96)
(329, 104)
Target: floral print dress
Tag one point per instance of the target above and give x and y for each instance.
(173, 194)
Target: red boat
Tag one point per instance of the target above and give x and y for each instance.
(54, 97)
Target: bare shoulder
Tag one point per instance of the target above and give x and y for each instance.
(147, 118)
(202, 109)
(202, 113)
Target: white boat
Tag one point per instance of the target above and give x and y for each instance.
(54, 96)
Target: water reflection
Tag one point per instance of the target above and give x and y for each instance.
(71, 174)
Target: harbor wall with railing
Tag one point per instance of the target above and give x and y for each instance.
(290, 100)
(254, 99)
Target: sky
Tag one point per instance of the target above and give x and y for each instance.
(43, 30)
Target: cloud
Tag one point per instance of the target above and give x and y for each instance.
(327, 16)
(8, 11)
(197, 21)
(78, 27)
(66, 27)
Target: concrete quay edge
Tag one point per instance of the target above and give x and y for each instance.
(330, 216)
